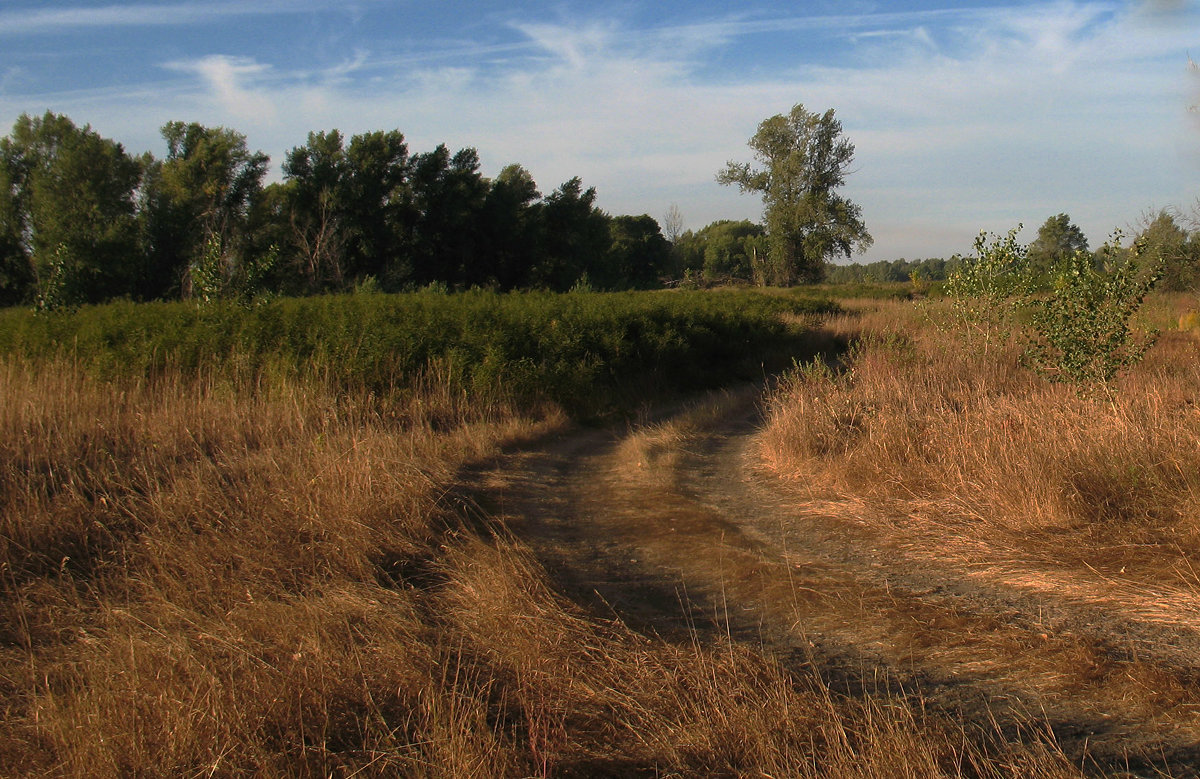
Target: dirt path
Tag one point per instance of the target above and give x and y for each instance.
(674, 528)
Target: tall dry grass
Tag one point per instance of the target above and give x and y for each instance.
(199, 579)
(918, 425)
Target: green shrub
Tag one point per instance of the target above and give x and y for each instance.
(1080, 330)
(986, 288)
(584, 350)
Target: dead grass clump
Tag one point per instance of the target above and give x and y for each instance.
(914, 420)
(585, 697)
(198, 578)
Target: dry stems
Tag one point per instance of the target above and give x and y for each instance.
(205, 579)
(917, 423)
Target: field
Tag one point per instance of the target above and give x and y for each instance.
(489, 535)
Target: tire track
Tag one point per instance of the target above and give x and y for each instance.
(673, 528)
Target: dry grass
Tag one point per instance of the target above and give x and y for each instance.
(203, 579)
(965, 460)
(1030, 494)
(918, 422)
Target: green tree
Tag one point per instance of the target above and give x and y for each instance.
(729, 250)
(67, 216)
(313, 202)
(206, 189)
(986, 288)
(379, 210)
(1057, 240)
(1178, 251)
(448, 196)
(724, 251)
(575, 237)
(510, 229)
(16, 272)
(804, 161)
(638, 254)
(1081, 330)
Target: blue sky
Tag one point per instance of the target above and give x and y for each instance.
(965, 116)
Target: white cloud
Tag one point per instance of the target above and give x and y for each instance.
(224, 77)
(14, 22)
(963, 119)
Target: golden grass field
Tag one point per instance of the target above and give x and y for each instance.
(200, 578)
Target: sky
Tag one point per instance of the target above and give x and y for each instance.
(965, 116)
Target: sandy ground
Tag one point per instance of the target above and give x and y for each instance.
(674, 527)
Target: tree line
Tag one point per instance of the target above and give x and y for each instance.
(83, 221)
(1170, 237)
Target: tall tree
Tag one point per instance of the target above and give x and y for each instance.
(509, 230)
(804, 161)
(1057, 239)
(1179, 252)
(723, 251)
(69, 207)
(575, 237)
(449, 195)
(731, 250)
(16, 272)
(638, 254)
(314, 201)
(378, 208)
(208, 184)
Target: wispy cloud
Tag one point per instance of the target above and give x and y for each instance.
(226, 77)
(33, 21)
(963, 119)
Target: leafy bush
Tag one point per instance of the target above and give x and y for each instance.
(987, 286)
(583, 350)
(1080, 331)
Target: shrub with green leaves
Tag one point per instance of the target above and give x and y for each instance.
(1080, 330)
(214, 276)
(588, 351)
(987, 287)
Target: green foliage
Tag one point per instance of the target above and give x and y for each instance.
(1178, 250)
(1057, 241)
(205, 191)
(213, 278)
(345, 212)
(987, 287)
(206, 276)
(882, 271)
(588, 351)
(69, 209)
(804, 161)
(53, 289)
(16, 273)
(724, 251)
(638, 254)
(575, 238)
(1080, 330)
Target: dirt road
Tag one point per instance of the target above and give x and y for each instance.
(675, 527)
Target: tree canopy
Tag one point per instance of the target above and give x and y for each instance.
(803, 161)
(67, 217)
(1057, 240)
(1177, 250)
(82, 221)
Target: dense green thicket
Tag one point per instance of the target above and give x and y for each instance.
(585, 350)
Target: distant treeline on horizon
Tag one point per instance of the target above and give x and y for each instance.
(83, 221)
